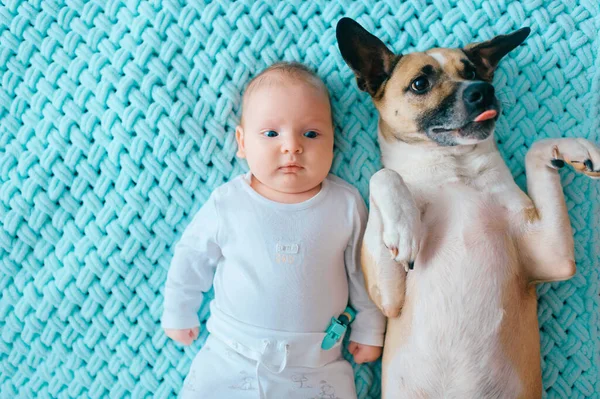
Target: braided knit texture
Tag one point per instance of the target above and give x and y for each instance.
(117, 120)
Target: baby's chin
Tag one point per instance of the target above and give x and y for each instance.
(296, 189)
(296, 183)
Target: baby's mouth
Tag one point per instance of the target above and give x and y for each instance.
(290, 168)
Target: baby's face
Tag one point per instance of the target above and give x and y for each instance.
(287, 136)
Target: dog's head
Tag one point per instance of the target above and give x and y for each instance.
(442, 95)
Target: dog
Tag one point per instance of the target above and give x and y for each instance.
(463, 322)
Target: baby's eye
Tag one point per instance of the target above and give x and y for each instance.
(271, 133)
(311, 134)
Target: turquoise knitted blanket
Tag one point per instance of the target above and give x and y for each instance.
(117, 121)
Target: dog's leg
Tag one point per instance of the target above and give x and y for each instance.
(391, 240)
(548, 239)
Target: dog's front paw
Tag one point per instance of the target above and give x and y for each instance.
(399, 215)
(401, 238)
(581, 154)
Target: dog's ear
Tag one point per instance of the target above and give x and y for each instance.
(370, 59)
(487, 55)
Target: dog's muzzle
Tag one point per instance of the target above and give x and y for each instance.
(479, 97)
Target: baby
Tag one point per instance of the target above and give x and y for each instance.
(281, 245)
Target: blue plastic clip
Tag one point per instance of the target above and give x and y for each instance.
(337, 328)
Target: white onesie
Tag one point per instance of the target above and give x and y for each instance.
(280, 273)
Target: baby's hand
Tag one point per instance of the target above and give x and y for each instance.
(185, 336)
(364, 353)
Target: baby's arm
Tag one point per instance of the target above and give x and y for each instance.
(368, 328)
(191, 274)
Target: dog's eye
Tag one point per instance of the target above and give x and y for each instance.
(470, 74)
(420, 85)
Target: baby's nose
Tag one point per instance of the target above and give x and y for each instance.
(291, 145)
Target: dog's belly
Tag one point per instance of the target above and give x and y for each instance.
(451, 339)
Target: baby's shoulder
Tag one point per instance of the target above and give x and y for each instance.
(344, 189)
(229, 190)
(222, 198)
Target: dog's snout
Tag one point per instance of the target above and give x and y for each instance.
(478, 96)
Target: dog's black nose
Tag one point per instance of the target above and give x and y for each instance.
(478, 96)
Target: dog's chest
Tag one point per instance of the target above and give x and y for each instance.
(466, 247)
(457, 288)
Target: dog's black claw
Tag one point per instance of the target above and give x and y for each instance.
(411, 265)
(589, 165)
(557, 163)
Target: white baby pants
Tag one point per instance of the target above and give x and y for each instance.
(237, 362)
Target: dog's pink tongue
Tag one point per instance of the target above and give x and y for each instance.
(484, 116)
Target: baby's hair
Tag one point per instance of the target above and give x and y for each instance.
(289, 69)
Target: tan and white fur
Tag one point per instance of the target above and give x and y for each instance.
(463, 322)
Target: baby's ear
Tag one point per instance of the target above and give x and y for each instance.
(239, 137)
